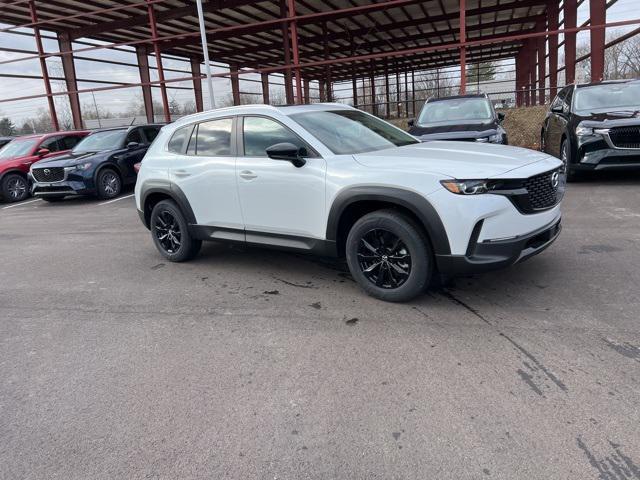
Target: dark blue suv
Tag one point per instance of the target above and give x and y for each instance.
(100, 165)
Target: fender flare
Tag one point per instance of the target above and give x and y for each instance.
(13, 170)
(412, 201)
(173, 192)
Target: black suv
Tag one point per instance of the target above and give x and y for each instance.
(594, 126)
(100, 165)
(469, 118)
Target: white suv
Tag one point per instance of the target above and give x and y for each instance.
(332, 180)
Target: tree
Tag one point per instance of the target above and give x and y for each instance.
(7, 127)
(481, 72)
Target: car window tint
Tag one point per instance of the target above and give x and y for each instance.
(70, 141)
(261, 133)
(151, 133)
(133, 136)
(50, 144)
(214, 138)
(177, 139)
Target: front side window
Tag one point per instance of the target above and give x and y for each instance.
(455, 110)
(17, 148)
(151, 133)
(260, 133)
(101, 141)
(70, 141)
(608, 96)
(134, 137)
(211, 139)
(352, 131)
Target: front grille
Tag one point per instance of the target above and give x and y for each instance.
(625, 137)
(50, 174)
(542, 190)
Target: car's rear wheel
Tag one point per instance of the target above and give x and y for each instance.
(109, 184)
(389, 256)
(170, 233)
(15, 188)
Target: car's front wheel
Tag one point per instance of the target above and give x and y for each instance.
(389, 256)
(15, 188)
(170, 233)
(565, 156)
(109, 184)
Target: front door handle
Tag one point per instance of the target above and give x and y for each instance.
(248, 175)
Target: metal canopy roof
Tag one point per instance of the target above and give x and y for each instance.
(250, 33)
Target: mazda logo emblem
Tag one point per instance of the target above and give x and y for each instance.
(555, 179)
(47, 171)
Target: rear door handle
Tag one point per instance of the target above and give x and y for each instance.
(248, 175)
(181, 173)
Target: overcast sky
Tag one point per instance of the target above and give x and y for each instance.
(119, 100)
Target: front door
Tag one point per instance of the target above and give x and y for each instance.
(278, 198)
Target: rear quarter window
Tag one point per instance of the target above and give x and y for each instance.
(176, 143)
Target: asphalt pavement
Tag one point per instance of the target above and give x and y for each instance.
(249, 363)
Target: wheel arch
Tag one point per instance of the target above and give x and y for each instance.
(353, 203)
(13, 170)
(153, 194)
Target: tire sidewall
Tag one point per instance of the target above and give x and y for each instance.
(5, 188)
(188, 246)
(416, 243)
(101, 193)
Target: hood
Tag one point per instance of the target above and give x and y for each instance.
(609, 119)
(462, 160)
(69, 159)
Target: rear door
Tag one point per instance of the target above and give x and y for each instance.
(203, 169)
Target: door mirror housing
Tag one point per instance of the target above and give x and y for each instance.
(288, 152)
(132, 145)
(43, 151)
(501, 117)
(557, 109)
(411, 122)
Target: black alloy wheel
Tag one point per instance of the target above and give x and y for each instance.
(170, 233)
(384, 259)
(167, 231)
(15, 188)
(109, 184)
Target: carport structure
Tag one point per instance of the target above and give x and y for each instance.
(319, 43)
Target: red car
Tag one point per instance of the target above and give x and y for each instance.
(20, 153)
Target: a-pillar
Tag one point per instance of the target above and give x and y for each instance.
(197, 83)
(552, 16)
(598, 12)
(145, 78)
(69, 69)
(570, 19)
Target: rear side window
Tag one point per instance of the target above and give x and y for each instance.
(176, 144)
(212, 139)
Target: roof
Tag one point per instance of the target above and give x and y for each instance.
(52, 134)
(454, 97)
(607, 82)
(249, 33)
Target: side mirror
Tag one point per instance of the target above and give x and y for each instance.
(288, 152)
(411, 122)
(43, 151)
(501, 117)
(132, 145)
(557, 109)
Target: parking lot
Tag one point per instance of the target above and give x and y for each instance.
(250, 363)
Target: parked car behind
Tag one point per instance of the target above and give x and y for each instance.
(17, 156)
(5, 140)
(100, 165)
(469, 118)
(332, 180)
(594, 127)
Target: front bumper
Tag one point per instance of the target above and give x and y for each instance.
(484, 256)
(73, 184)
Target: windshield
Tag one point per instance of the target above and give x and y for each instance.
(351, 131)
(612, 96)
(455, 110)
(100, 141)
(17, 148)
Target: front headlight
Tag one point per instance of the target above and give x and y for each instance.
(467, 187)
(496, 138)
(582, 131)
(80, 166)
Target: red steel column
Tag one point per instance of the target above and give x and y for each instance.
(197, 83)
(598, 10)
(374, 105)
(518, 94)
(387, 108)
(294, 45)
(323, 91)
(413, 93)
(265, 88)
(306, 91)
(398, 91)
(570, 19)
(354, 85)
(69, 68)
(235, 84)
(542, 64)
(286, 48)
(463, 50)
(552, 15)
(533, 69)
(145, 78)
(156, 51)
(43, 67)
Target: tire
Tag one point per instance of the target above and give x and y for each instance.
(14, 188)
(170, 233)
(370, 246)
(52, 199)
(108, 184)
(565, 156)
